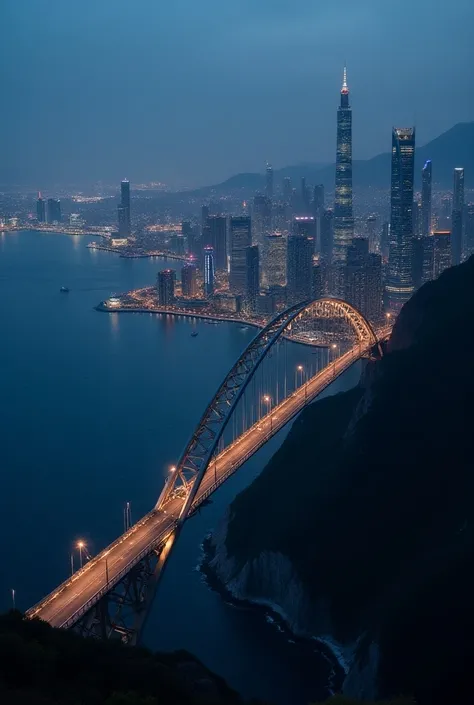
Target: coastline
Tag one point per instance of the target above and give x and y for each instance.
(327, 647)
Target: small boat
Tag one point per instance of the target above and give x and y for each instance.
(64, 290)
(194, 334)
(243, 327)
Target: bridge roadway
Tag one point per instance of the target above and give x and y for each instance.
(73, 598)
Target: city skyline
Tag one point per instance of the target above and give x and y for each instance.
(204, 150)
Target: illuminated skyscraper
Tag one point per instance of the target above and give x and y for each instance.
(457, 216)
(343, 216)
(287, 190)
(165, 286)
(274, 260)
(188, 280)
(469, 230)
(252, 282)
(442, 249)
(54, 210)
(299, 268)
(240, 240)
(40, 209)
(426, 180)
(215, 235)
(125, 227)
(208, 271)
(269, 181)
(363, 279)
(261, 218)
(400, 286)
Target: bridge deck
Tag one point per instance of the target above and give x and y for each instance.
(65, 605)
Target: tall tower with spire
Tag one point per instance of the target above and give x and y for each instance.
(343, 217)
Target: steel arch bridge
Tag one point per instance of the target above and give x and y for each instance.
(203, 444)
(111, 595)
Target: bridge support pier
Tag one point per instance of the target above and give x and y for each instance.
(122, 612)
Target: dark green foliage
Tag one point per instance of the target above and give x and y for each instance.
(379, 522)
(40, 665)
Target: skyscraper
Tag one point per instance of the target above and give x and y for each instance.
(363, 279)
(54, 210)
(40, 209)
(124, 209)
(457, 216)
(165, 286)
(287, 190)
(400, 286)
(442, 252)
(426, 180)
(371, 230)
(343, 216)
(318, 199)
(189, 280)
(208, 271)
(215, 235)
(240, 240)
(327, 236)
(299, 269)
(261, 218)
(269, 181)
(252, 281)
(274, 260)
(469, 230)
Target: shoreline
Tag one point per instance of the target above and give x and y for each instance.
(168, 312)
(328, 649)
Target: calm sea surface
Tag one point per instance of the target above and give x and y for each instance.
(94, 408)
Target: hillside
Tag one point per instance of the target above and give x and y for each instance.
(453, 148)
(372, 545)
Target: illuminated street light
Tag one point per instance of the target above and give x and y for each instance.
(80, 546)
(268, 400)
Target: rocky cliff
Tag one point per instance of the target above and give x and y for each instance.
(360, 528)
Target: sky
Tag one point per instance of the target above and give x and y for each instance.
(190, 92)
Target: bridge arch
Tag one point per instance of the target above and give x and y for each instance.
(202, 445)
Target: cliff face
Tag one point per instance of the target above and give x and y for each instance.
(360, 528)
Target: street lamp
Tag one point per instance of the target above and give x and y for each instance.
(80, 545)
(268, 400)
(334, 346)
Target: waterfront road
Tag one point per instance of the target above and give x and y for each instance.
(67, 603)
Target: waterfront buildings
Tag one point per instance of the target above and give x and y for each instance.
(53, 210)
(165, 287)
(299, 268)
(343, 215)
(209, 270)
(240, 240)
(400, 285)
(457, 216)
(189, 280)
(40, 209)
(426, 187)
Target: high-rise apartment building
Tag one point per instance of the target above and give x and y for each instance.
(54, 210)
(165, 284)
(363, 279)
(273, 270)
(442, 252)
(371, 232)
(261, 218)
(299, 268)
(343, 215)
(124, 217)
(240, 240)
(189, 280)
(252, 281)
(215, 235)
(426, 186)
(209, 270)
(40, 209)
(400, 285)
(457, 216)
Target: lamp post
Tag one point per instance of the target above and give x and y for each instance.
(80, 545)
(334, 347)
(268, 400)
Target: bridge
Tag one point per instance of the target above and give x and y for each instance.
(110, 595)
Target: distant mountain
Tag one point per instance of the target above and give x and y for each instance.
(453, 148)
